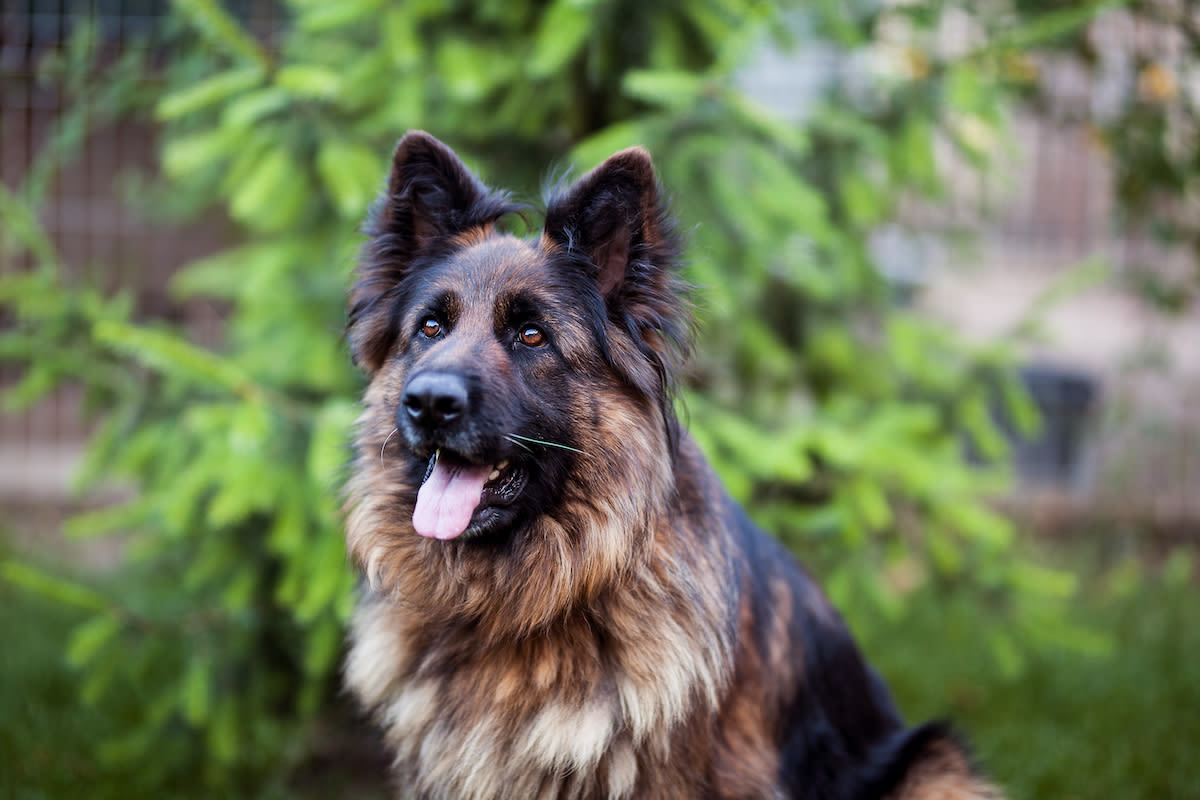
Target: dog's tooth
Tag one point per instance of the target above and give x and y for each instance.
(502, 465)
(495, 473)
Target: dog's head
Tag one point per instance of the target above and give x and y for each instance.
(515, 383)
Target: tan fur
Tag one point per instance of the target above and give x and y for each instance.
(944, 774)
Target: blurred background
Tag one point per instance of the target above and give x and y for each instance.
(946, 258)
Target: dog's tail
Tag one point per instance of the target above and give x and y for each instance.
(929, 762)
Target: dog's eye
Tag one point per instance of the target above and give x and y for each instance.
(532, 336)
(431, 327)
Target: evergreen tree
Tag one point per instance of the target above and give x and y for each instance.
(834, 414)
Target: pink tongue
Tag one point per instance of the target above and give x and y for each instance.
(448, 498)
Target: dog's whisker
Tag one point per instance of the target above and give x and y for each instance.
(385, 443)
(512, 436)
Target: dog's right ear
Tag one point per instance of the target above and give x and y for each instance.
(431, 194)
(431, 197)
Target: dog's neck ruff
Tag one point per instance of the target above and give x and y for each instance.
(569, 713)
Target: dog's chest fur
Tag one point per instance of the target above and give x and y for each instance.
(564, 714)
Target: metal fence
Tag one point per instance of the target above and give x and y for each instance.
(98, 236)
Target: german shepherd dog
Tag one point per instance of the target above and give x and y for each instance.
(561, 601)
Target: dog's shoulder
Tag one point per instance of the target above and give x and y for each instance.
(825, 724)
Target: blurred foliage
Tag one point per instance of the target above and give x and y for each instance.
(1142, 64)
(834, 414)
(54, 746)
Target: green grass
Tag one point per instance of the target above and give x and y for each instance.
(1069, 726)
(47, 737)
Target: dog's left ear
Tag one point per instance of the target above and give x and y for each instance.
(613, 217)
(614, 220)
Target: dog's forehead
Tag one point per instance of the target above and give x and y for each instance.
(492, 271)
(488, 262)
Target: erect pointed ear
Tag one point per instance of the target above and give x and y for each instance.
(431, 193)
(615, 221)
(431, 196)
(611, 216)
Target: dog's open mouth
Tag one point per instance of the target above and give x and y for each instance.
(457, 495)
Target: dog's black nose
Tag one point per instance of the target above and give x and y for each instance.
(435, 398)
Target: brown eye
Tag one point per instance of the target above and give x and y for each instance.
(532, 336)
(431, 327)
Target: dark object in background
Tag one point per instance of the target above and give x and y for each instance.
(1064, 398)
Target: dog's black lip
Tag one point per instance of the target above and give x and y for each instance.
(507, 487)
(497, 509)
